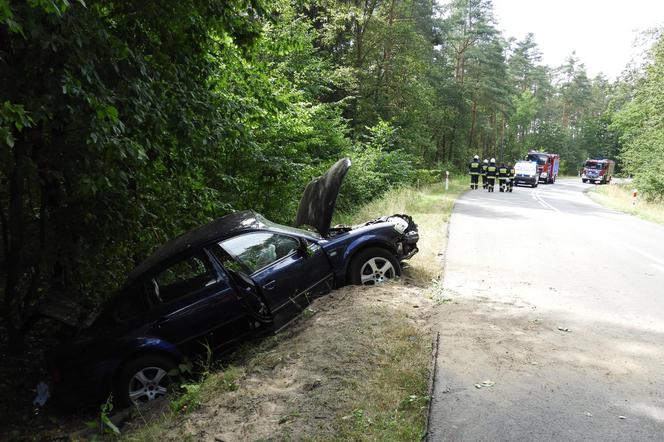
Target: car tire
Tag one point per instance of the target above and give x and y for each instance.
(584, 180)
(374, 265)
(143, 379)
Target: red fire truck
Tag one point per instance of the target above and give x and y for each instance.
(598, 171)
(547, 165)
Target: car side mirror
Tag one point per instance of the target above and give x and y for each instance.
(304, 247)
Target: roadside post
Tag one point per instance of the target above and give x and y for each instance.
(447, 180)
(634, 195)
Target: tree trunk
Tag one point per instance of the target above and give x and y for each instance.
(15, 228)
(473, 118)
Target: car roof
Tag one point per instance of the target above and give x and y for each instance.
(245, 220)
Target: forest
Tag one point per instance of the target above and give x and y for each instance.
(125, 123)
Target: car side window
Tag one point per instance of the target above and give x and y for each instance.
(258, 250)
(182, 278)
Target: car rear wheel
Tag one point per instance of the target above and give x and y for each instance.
(143, 379)
(374, 266)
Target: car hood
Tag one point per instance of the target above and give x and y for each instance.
(320, 197)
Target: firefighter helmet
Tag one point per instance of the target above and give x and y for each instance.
(493, 160)
(486, 161)
(476, 157)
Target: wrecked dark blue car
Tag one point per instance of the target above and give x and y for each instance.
(240, 275)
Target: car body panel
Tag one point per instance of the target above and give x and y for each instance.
(320, 197)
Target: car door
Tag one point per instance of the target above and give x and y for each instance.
(289, 271)
(192, 301)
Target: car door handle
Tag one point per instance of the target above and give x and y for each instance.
(270, 285)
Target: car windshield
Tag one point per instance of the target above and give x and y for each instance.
(268, 223)
(257, 250)
(525, 167)
(540, 159)
(594, 165)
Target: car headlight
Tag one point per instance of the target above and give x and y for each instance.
(399, 224)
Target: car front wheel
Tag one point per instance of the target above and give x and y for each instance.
(374, 266)
(143, 379)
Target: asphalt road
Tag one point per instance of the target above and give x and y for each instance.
(559, 303)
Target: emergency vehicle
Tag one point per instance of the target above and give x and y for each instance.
(598, 171)
(547, 165)
(526, 173)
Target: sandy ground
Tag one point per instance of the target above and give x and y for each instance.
(558, 304)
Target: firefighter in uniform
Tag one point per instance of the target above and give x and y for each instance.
(491, 171)
(485, 164)
(475, 169)
(503, 176)
(512, 173)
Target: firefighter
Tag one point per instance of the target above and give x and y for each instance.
(503, 176)
(491, 171)
(485, 164)
(512, 173)
(475, 168)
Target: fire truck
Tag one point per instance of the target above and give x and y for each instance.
(598, 171)
(547, 165)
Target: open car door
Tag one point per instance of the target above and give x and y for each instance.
(288, 272)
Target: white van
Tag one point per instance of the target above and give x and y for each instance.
(525, 172)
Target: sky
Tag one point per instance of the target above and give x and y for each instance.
(602, 32)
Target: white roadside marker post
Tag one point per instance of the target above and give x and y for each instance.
(634, 196)
(447, 180)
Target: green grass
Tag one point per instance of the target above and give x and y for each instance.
(429, 199)
(619, 197)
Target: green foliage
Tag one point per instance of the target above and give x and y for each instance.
(641, 129)
(189, 400)
(105, 425)
(378, 166)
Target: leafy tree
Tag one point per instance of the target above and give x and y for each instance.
(641, 128)
(108, 124)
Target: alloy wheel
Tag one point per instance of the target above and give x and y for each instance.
(148, 384)
(376, 270)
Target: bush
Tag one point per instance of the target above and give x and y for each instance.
(428, 176)
(377, 167)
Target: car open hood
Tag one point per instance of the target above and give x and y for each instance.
(320, 197)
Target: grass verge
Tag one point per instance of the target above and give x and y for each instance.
(354, 366)
(619, 197)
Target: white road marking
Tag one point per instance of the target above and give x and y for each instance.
(644, 254)
(539, 199)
